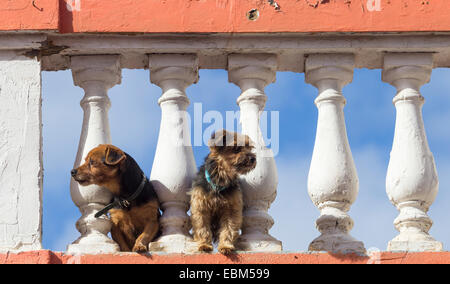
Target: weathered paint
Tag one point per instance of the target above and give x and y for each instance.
(333, 182)
(224, 16)
(230, 16)
(20, 152)
(95, 75)
(412, 182)
(49, 257)
(29, 15)
(173, 74)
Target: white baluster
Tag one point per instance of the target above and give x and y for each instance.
(174, 165)
(96, 75)
(252, 73)
(333, 180)
(412, 181)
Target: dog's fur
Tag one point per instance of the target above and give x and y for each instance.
(133, 227)
(218, 215)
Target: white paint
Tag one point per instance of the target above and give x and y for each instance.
(213, 50)
(174, 165)
(20, 152)
(333, 180)
(73, 5)
(374, 5)
(412, 181)
(21, 41)
(96, 75)
(252, 74)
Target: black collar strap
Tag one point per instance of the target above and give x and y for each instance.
(122, 203)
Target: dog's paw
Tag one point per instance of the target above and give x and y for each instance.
(205, 248)
(226, 249)
(138, 247)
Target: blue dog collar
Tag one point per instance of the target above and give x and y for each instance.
(213, 185)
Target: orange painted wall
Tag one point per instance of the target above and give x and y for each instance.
(229, 16)
(29, 15)
(224, 16)
(49, 257)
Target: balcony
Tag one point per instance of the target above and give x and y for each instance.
(252, 45)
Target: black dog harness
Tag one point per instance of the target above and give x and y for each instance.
(123, 203)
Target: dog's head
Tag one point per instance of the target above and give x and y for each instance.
(102, 167)
(235, 151)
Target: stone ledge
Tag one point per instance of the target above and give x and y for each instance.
(49, 257)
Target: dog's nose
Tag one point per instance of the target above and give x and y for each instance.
(253, 160)
(73, 172)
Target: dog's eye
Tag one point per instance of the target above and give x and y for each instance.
(91, 163)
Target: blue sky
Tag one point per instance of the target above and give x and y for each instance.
(370, 117)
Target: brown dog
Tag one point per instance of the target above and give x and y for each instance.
(216, 198)
(135, 208)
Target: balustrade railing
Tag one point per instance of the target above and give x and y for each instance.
(411, 182)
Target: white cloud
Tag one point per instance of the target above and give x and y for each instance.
(372, 212)
(135, 118)
(295, 214)
(68, 235)
(293, 211)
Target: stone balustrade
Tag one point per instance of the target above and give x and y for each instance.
(96, 64)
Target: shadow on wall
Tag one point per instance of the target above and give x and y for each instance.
(66, 8)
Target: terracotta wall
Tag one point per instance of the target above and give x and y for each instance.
(224, 16)
(29, 15)
(48, 257)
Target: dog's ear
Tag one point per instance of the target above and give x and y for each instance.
(248, 142)
(114, 156)
(222, 138)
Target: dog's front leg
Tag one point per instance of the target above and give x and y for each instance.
(123, 231)
(230, 224)
(150, 231)
(201, 220)
(201, 224)
(119, 238)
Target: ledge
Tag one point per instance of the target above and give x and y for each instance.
(49, 257)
